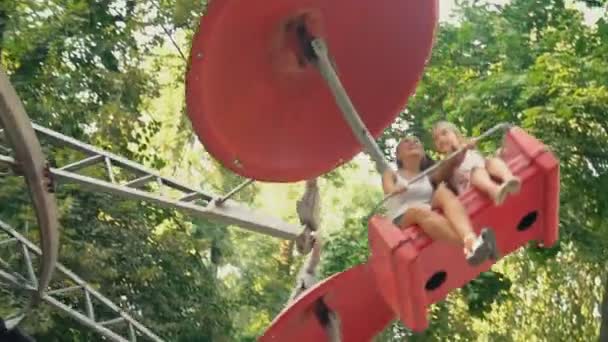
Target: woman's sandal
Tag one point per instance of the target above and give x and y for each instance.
(484, 247)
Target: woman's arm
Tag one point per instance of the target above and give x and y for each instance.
(389, 182)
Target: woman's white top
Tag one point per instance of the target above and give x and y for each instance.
(418, 193)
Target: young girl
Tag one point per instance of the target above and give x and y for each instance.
(412, 203)
(475, 170)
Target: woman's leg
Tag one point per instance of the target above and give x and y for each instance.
(432, 223)
(455, 214)
(476, 248)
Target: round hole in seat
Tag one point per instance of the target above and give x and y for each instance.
(436, 280)
(527, 221)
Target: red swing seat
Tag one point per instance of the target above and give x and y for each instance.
(412, 271)
(407, 271)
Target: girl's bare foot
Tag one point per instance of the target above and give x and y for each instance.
(509, 186)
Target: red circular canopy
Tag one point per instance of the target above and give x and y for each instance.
(265, 113)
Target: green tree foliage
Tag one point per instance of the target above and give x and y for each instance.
(111, 73)
(79, 68)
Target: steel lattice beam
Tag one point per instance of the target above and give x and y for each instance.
(53, 297)
(213, 208)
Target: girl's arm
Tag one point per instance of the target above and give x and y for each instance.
(389, 182)
(445, 170)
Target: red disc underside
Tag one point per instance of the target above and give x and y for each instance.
(262, 109)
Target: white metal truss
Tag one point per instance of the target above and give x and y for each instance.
(140, 183)
(59, 292)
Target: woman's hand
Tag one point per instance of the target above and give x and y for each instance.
(401, 184)
(393, 183)
(399, 190)
(446, 168)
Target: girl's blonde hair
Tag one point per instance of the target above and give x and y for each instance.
(451, 127)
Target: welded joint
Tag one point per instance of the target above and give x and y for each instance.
(49, 179)
(132, 334)
(89, 305)
(29, 265)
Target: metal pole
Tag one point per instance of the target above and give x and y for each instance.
(84, 320)
(230, 212)
(226, 210)
(234, 191)
(348, 110)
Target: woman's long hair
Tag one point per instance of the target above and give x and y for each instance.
(426, 161)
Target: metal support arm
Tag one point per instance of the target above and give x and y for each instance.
(323, 63)
(229, 212)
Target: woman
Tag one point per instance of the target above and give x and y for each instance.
(412, 204)
(475, 170)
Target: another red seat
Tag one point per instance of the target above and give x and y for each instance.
(351, 294)
(412, 271)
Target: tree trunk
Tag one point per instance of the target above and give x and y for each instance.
(604, 313)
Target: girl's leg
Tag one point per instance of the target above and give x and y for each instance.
(497, 168)
(480, 179)
(510, 184)
(433, 224)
